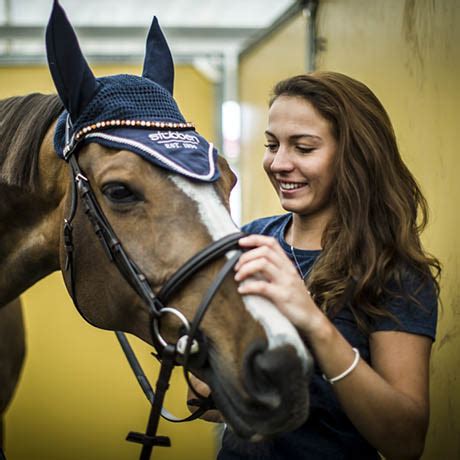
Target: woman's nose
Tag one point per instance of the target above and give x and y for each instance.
(282, 160)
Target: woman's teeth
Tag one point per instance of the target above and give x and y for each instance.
(290, 185)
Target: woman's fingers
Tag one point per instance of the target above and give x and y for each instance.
(260, 240)
(199, 386)
(292, 300)
(265, 260)
(259, 287)
(265, 248)
(267, 271)
(255, 267)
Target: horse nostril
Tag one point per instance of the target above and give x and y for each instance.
(267, 371)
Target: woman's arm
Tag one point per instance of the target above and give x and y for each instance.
(388, 402)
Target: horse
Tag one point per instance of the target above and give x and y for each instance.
(137, 233)
(12, 353)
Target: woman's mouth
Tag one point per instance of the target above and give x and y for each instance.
(290, 186)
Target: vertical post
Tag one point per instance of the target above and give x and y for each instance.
(8, 42)
(309, 11)
(231, 124)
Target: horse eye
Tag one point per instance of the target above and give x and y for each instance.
(119, 193)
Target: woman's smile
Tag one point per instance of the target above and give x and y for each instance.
(290, 187)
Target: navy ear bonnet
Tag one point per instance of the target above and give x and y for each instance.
(124, 111)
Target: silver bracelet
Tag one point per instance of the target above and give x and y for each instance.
(345, 372)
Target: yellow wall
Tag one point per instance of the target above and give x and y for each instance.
(408, 52)
(278, 57)
(77, 399)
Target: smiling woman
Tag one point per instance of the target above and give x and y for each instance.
(367, 306)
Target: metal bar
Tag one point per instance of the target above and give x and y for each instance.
(16, 59)
(122, 32)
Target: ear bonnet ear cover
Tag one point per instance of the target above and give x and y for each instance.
(125, 111)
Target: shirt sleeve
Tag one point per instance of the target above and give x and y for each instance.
(415, 311)
(256, 226)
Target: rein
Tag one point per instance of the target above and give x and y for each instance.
(191, 348)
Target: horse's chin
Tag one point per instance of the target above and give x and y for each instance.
(250, 420)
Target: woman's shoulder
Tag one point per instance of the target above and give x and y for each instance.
(270, 225)
(412, 301)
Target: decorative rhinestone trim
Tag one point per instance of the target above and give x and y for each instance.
(133, 123)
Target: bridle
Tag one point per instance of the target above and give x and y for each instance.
(190, 350)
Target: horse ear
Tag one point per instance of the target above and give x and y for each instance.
(74, 80)
(158, 63)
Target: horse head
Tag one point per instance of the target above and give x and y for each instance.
(158, 196)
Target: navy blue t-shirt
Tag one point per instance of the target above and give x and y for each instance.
(328, 434)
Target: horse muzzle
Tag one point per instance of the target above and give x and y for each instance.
(273, 397)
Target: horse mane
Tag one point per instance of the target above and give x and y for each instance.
(24, 121)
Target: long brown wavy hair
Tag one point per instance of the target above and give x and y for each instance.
(374, 236)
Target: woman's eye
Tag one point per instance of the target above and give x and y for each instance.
(303, 149)
(271, 147)
(119, 193)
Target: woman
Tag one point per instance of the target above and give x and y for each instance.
(346, 266)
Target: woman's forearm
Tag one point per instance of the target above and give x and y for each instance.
(390, 420)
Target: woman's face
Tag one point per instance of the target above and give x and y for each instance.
(299, 156)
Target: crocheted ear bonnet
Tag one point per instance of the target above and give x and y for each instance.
(124, 112)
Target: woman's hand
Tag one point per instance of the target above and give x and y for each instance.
(266, 270)
(204, 390)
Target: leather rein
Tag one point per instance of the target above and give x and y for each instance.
(191, 348)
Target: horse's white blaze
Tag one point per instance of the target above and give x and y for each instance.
(212, 212)
(219, 223)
